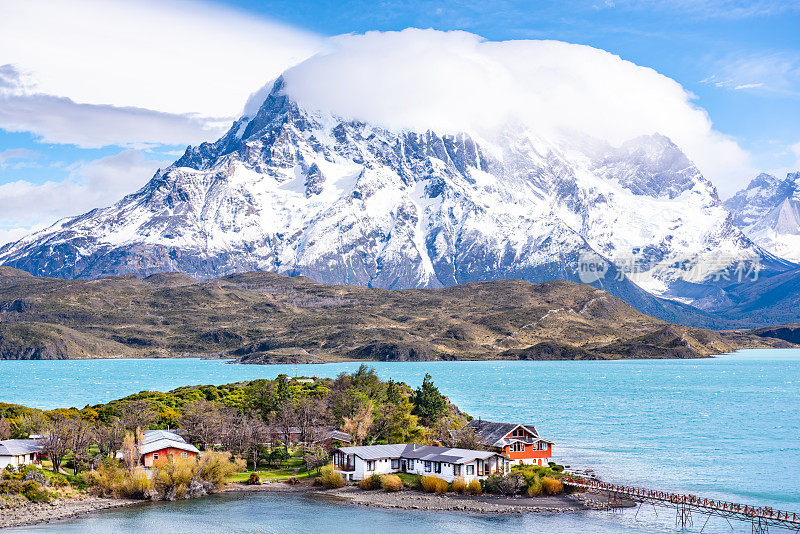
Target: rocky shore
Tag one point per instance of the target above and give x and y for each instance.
(31, 513)
(28, 513)
(409, 499)
(452, 502)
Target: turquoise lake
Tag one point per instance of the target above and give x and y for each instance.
(727, 427)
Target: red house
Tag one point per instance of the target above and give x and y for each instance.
(521, 443)
(159, 447)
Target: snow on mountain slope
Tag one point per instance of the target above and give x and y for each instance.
(340, 201)
(768, 211)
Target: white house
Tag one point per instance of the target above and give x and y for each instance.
(356, 463)
(15, 452)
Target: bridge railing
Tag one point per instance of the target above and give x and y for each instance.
(755, 512)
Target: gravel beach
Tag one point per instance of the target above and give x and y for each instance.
(481, 504)
(30, 513)
(409, 499)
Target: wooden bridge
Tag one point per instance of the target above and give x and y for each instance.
(761, 517)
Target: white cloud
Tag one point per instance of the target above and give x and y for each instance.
(773, 72)
(454, 81)
(26, 206)
(175, 56)
(15, 153)
(60, 120)
(115, 72)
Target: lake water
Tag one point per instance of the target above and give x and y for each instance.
(727, 427)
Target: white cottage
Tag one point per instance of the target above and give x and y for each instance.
(14, 452)
(356, 463)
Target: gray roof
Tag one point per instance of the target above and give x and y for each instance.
(338, 435)
(155, 435)
(18, 447)
(428, 453)
(155, 440)
(493, 434)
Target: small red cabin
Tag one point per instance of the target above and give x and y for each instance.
(159, 447)
(521, 443)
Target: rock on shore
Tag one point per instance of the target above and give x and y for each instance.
(31, 513)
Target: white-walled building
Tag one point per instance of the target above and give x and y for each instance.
(356, 463)
(14, 452)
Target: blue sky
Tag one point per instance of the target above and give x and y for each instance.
(710, 47)
(80, 133)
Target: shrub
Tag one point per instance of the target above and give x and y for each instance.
(139, 485)
(330, 479)
(391, 483)
(459, 486)
(535, 487)
(110, 481)
(254, 479)
(372, 482)
(431, 484)
(509, 484)
(293, 481)
(34, 492)
(317, 481)
(216, 467)
(555, 467)
(474, 487)
(172, 479)
(552, 486)
(413, 481)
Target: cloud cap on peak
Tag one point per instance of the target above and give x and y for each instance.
(457, 81)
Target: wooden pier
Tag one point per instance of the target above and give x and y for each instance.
(760, 517)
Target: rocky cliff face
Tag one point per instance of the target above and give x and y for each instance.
(299, 192)
(768, 211)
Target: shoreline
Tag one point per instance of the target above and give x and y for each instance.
(30, 513)
(233, 360)
(410, 499)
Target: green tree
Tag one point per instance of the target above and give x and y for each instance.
(429, 403)
(393, 393)
(402, 426)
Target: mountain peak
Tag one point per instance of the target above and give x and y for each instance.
(768, 211)
(303, 192)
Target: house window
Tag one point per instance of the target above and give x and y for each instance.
(410, 465)
(437, 467)
(470, 469)
(371, 465)
(395, 464)
(519, 432)
(427, 467)
(183, 455)
(456, 470)
(155, 456)
(518, 446)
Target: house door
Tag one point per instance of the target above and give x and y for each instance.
(403, 466)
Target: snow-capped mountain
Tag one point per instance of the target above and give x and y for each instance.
(304, 192)
(768, 211)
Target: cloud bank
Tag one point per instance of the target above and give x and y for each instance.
(457, 81)
(26, 206)
(85, 72)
